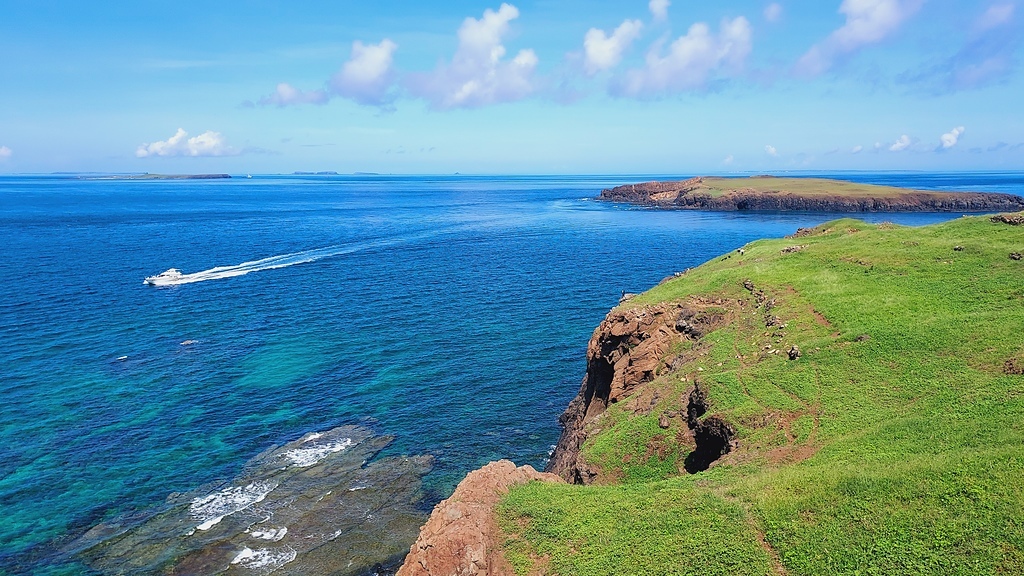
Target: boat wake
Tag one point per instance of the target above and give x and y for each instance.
(173, 277)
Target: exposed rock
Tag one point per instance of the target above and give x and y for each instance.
(1011, 219)
(1013, 367)
(791, 249)
(321, 504)
(794, 352)
(663, 421)
(712, 436)
(1015, 256)
(696, 194)
(958, 248)
(462, 536)
(625, 351)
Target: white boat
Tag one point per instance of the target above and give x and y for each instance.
(166, 278)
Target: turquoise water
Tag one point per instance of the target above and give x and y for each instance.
(450, 312)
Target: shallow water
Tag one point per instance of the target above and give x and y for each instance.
(449, 312)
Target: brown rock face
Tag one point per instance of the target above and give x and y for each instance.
(462, 537)
(625, 351)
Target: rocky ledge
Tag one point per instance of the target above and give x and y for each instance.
(462, 536)
(803, 194)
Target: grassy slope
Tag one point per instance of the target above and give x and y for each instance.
(900, 453)
(808, 187)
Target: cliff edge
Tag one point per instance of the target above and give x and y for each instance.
(462, 537)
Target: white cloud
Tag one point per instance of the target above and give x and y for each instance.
(773, 12)
(659, 9)
(208, 143)
(368, 74)
(728, 160)
(771, 151)
(602, 51)
(478, 73)
(288, 95)
(857, 149)
(951, 138)
(5, 152)
(867, 22)
(691, 60)
(997, 15)
(901, 144)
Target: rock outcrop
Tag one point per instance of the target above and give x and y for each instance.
(623, 353)
(462, 537)
(629, 348)
(697, 194)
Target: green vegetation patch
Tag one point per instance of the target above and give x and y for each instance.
(891, 443)
(808, 187)
(654, 528)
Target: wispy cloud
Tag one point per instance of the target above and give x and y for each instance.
(659, 9)
(287, 95)
(5, 152)
(857, 149)
(986, 56)
(950, 139)
(773, 12)
(901, 144)
(867, 22)
(479, 74)
(208, 143)
(602, 51)
(995, 16)
(691, 61)
(771, 151)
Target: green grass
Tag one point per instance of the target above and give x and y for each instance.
(894, 445)
(807, 187)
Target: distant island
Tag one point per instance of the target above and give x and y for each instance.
(157, 177)
(322, 173)
(768, 193)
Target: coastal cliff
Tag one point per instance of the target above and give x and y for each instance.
(841, 400)
(630, 348)
(802, 194)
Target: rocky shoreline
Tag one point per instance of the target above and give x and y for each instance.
(807, 195)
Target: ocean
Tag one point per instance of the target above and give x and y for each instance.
(382, 335)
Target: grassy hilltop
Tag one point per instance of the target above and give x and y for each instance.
(769, 193)
(893, 444)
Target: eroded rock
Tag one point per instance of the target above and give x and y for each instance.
(322, 504)
(462, 536)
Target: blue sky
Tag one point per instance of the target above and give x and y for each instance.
(541, 86)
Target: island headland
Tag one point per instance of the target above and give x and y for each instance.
(844, 400)
(769, 193)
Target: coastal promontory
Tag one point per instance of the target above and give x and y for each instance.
(846, 400)
(769, 193)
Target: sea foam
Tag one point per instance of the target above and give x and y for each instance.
(310, 455)
(210, 510)
(264, 558)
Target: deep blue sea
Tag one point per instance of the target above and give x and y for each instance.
(450, 312)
